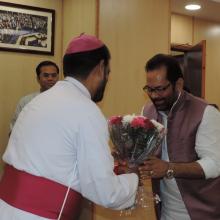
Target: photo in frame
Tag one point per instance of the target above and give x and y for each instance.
(26, 29)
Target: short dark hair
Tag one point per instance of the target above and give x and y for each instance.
(79, 65)
(174, 71)
(45, 63)
(215, 105)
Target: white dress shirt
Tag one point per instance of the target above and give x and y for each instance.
(60, 129)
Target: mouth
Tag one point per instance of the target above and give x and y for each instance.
(158, 102)
(51, 84)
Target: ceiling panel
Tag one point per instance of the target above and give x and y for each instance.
(210, 9)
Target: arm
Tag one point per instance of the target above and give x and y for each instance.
(208, 143)
(95, 167)
(181, 170)
(207, 147)
(18, 109)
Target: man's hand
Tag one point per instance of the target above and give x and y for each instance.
(121, 166)
(154, 168)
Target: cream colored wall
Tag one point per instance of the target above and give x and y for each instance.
(123, 24)
(210, 31)
(134, 32)
(202, 30)
(181, 29)
(79, 16)
(17, 76)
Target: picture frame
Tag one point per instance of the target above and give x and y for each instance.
(26, 29)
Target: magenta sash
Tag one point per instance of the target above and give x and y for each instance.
(38, 195)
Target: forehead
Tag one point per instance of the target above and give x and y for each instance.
(48, 69)
(157, 77)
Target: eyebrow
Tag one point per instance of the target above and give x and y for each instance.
(157, 87)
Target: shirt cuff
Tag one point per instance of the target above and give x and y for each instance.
(210, 168)
(130, 202)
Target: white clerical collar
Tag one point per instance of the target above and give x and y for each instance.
(79, 86)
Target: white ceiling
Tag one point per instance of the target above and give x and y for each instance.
(210, 9)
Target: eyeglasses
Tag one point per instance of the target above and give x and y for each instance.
(53, 75)
(158, 90)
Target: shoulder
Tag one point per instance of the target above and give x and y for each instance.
(212, 112)
(197, 103)
(95, 112)
(149, 110)
(149, 106)
(25, 99)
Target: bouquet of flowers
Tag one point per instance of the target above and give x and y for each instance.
(135, 138)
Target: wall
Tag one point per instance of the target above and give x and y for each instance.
(134, 33)
(79, 16)
(181, 29)
(17, 76)
(202, 30)
(210, 31)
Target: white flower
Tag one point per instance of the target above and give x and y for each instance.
(127, 119)
(159, 126)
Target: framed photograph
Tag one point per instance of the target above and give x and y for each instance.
(26, 29)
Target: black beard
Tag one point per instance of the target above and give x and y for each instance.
(100, 91)
(168, 103)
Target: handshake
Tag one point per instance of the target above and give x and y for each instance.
(150, 168)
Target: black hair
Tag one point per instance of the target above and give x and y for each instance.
(79, 65)
(215, 105)
(173, 68)
(45, 63)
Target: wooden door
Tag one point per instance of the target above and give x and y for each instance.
(192, 61)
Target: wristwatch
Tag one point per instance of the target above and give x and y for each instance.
(170, 172)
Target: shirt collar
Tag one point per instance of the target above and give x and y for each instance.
(79, 86)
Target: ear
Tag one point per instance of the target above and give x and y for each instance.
(38, 79)
(101, 68)
(179, 85)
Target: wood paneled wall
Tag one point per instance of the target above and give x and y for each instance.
(134, 32)
(18, 77)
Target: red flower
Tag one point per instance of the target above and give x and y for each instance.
(142, 122)
(148, 124)
(115, 120)
(138, 122)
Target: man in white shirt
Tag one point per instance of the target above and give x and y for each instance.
(188, 163)
(59, 144)
(47, 74)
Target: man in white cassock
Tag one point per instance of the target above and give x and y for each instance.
(58, 150)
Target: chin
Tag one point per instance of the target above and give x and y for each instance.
(97, 99)
(161, 108)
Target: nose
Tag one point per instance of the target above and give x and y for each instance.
(50, 77)
(154, 95)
